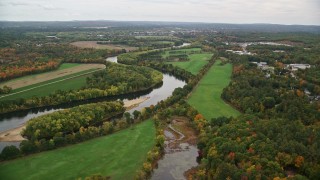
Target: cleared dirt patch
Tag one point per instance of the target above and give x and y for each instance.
(14, 84)
(12, 135)
(93, 44)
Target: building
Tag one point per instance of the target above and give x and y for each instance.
(295, 67)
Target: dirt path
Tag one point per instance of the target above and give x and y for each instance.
(14, 84)
(13, 135)
(183, 131)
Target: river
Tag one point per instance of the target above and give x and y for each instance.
(157, 94)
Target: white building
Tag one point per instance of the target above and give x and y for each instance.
(295, 67)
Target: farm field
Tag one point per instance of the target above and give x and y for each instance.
(64, 70)
(196, 62)
(118, 155)
(206, 97)
(93, 44)
(65, 83)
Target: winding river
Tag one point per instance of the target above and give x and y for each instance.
(157, 94)
(177, 160)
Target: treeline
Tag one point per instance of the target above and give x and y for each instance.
(5, 90)
(10, 71)
(114, 81)
(32, 59)
(62, 123)
(135, 57)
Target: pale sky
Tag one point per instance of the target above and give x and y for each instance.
(306, 12)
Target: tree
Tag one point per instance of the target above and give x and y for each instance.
(28, 147)
(127, 115)
(269, 102)
(10, 152)
(136, 114)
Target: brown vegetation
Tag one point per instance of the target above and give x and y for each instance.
(95, 45)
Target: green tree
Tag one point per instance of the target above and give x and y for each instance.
(10, 152)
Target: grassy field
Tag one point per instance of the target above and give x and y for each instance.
(206, 97)
(45, 88)
(118, 155)
(181, 51)
(196, 62)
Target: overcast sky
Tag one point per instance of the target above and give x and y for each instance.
(218, 11)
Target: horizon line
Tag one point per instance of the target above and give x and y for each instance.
(161, 21)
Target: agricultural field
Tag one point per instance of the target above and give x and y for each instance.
(196, 62)
(64, 70)
(94, 44)
(68, 77)
(206, 97)
(118, 155)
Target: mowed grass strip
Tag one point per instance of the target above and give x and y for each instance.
(46, 88)
(206, 98)
(118, 155)
(196, 62)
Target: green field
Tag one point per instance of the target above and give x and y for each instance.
(196, 62)
(206, 97)
(46, 89)
(181, 51)
(118, 155)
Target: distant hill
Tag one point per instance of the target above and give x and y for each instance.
(198, 26)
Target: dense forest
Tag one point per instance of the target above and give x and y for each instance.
(277, 136)
(125, 78)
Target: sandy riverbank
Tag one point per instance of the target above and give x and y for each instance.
(13, 135)
(134, 103)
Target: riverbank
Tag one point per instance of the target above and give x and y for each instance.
(14, 135)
